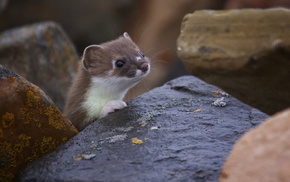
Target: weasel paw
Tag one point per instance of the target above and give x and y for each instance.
(111, 106)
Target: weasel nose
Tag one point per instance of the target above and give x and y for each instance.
(144, 67)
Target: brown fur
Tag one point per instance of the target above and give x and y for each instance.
(75, 97)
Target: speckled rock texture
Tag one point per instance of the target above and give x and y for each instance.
(262, 154)
(30, 124)
(182, 131)
(245, 52)
(43, 54)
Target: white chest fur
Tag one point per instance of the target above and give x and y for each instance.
(100, 92)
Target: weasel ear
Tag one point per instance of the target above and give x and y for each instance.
(89, 54)
(126, 35)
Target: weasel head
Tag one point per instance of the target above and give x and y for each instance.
(117, 64)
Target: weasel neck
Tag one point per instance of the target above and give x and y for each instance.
(98, 95)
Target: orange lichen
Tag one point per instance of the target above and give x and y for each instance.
(136, 141)
(47, 144)
(55, 119)
(64, 139)
(78, 158)
(30, 115)
(24, 115)
(197, 110)
(32, 157)
(32, 108)
(33, 97)
(11, 79)
(24, 139)
(7, 120)
(218, 92)
(18, 148)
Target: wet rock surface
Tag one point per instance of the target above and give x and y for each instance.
(174, 132)
(30, 124)
(252, 64)
(43, 54)
(262, 154)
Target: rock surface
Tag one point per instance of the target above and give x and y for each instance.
(42, 54)
(261, 154)
(171, 133)
(30, 126)
(245, 52)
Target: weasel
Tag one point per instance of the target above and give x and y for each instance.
(106, 72)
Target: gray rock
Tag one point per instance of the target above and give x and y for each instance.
(171, 133)
(43, 54)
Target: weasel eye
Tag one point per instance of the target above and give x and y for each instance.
(119, 63)
(142, 54)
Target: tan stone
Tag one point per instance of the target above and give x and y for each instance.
(30, 124)
(219, 40)
(246, 52)
(262, 154)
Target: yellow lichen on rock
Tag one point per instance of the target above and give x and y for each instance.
(11, 79)
(30, 124)
(54, 119)
(197, 110)
(24, 140)
(64, 139)
(7, 120)
(33, 97)
(47, 144)
(136, 141)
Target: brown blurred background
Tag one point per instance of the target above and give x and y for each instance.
(153, 24)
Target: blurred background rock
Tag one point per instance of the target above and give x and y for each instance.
(153, 24)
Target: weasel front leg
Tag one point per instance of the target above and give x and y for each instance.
(111, 106)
